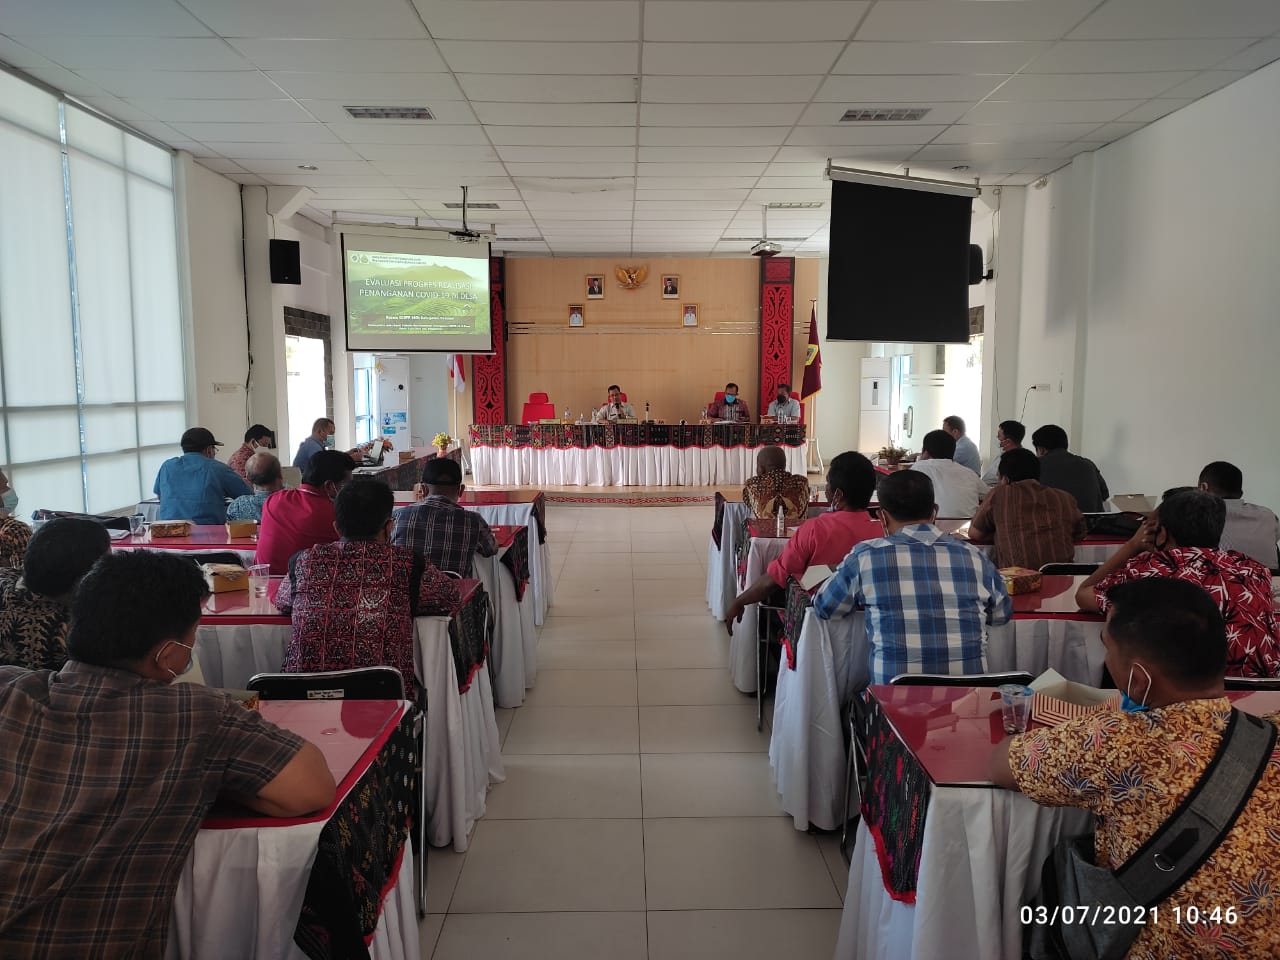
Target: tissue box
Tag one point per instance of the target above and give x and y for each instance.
(406, 456)
(1056, 700)
(241, 528)
(225, 577)
(1020, 580)
(170, 528)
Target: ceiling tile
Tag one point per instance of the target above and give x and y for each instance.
(572, 169)
(549, 195)
(819, 194)
(191, 85)
(16, 55)
(973, 20)
(753, 89)
(693, 154)
(719, 114)
(450, 169)
(137, 53)
(967, 152)
(444, 111)
(548, 89)
(699, 169)
(788, 169)
(1090, 86)
(490, 190)
(1151, 19)
(1126, 56)
(368, 87)
(352, 55)
(555, 136)
(1253, 57)
(471, 56)
(257, 132)
(118, 109)
(300, 179)
(1049, 111)
(556, 114)
(218, 165)
(1021, 179)
(60, 78)
(712, 136)
(1114, 131)
(693, 188)
(289, 167)
(1203, 84)
(358, 193)
(907, 89)
(728, 206)
(430, 132)
(865, 133)
(945, 58)
(792, 183)
(298, 152)
(998, 132)
(686, 20)
(738, 59)
(830, 113)
(120, 18)
(245, 178)
(162, 132)
(648, 214)
(1154, 110)
(799, 154)
(219, 111)
(567, 154)
(520, 20)
(436, 153)
(1042, 167)
(308, 18)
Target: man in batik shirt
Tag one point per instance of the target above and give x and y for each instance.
(772, 487)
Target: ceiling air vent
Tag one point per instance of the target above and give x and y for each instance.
(884, 114)
(795, 205)
(389, 113)
(472, 206)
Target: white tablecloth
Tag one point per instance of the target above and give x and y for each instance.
(807, 747)
(514, 657)
(463, 751)
(981, 858)
(540, 580)
(722, 571)
(241, 890)
(742, 645)
(621, 466)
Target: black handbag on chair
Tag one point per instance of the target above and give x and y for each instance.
(1087, 912)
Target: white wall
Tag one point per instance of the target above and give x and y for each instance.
(839, 403)
(1153, 264)
(432, 399)
(216, 282)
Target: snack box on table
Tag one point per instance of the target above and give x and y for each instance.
(1020, 580)
(241, 528)
(225, 577)
(169, 528)
(1055, 699)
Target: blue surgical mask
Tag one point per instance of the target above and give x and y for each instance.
(10, 500)
(1127, 703)
(328, 442)
(729, 398)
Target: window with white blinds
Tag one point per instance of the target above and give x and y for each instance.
(92, 377)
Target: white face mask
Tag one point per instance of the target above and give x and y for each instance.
(191, 651)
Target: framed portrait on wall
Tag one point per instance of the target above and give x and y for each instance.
(595, 286)
(689, 314)
(576, 314)
(670, 287)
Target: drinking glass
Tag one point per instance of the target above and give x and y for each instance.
(137, 525)
(259, 577)
(1015, 706)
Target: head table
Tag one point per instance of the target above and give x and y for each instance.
(628, 454)
(947, 878)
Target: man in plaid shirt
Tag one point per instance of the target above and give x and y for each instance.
(929, 597)
(438, 528)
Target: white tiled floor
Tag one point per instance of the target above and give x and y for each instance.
(637, 820)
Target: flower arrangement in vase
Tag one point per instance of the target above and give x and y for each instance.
(441, 442)
(891, 455)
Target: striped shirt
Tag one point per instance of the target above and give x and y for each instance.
(928, 599)
(1030, 525)
(446, 534)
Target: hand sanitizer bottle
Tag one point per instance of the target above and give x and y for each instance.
(782, 522)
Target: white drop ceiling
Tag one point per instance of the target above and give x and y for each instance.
(629, 127)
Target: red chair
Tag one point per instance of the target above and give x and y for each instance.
(538, 408)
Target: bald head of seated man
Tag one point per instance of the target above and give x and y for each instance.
(773, 486)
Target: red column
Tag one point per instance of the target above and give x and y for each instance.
(489, 371)
(777, 293)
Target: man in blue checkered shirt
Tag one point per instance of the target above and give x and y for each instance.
(439, 528)
(929, 597)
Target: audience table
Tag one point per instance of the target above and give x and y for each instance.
(239, 637)
(402, 476)
(266, 888)
(628, 454)
(948, 878)
(513, 661)
(204, 539)
(826, 664)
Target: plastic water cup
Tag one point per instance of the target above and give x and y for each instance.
(137, 525)
(1015, 706)
(259, 577)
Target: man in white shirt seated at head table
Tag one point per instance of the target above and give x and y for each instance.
(616, 408)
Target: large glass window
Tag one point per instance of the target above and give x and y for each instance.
(92, 377)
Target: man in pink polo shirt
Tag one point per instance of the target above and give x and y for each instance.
(823, 540)
(294, 520)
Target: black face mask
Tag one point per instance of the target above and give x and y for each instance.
(783, 398)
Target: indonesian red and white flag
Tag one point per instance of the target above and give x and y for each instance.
(457, 375)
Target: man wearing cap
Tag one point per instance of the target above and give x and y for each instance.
(438, 528)
(195, 486)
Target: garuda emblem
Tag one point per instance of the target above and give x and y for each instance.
(631, 278)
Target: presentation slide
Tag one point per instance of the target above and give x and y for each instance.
(405, 294)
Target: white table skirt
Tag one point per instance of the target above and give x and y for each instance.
(658, 466)
(722, 571)
(540, 580)
(742, 645)
(807, 748)
(237, 885)
(514, 657)
(981, 859)
(464, 754)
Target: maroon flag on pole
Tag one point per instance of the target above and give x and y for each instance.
(812, 359)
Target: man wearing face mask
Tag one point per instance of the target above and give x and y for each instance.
(9, 501)
(294, 520)
(256, 438)
(1180, 540)
(1167, 646)
(94, 836)
(784, 407)
(823, 540)
(731, 408)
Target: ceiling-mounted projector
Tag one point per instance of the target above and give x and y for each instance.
(766, 248)
(465, 235)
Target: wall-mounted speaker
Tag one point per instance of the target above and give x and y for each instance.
(975, 264)
(286, 261)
